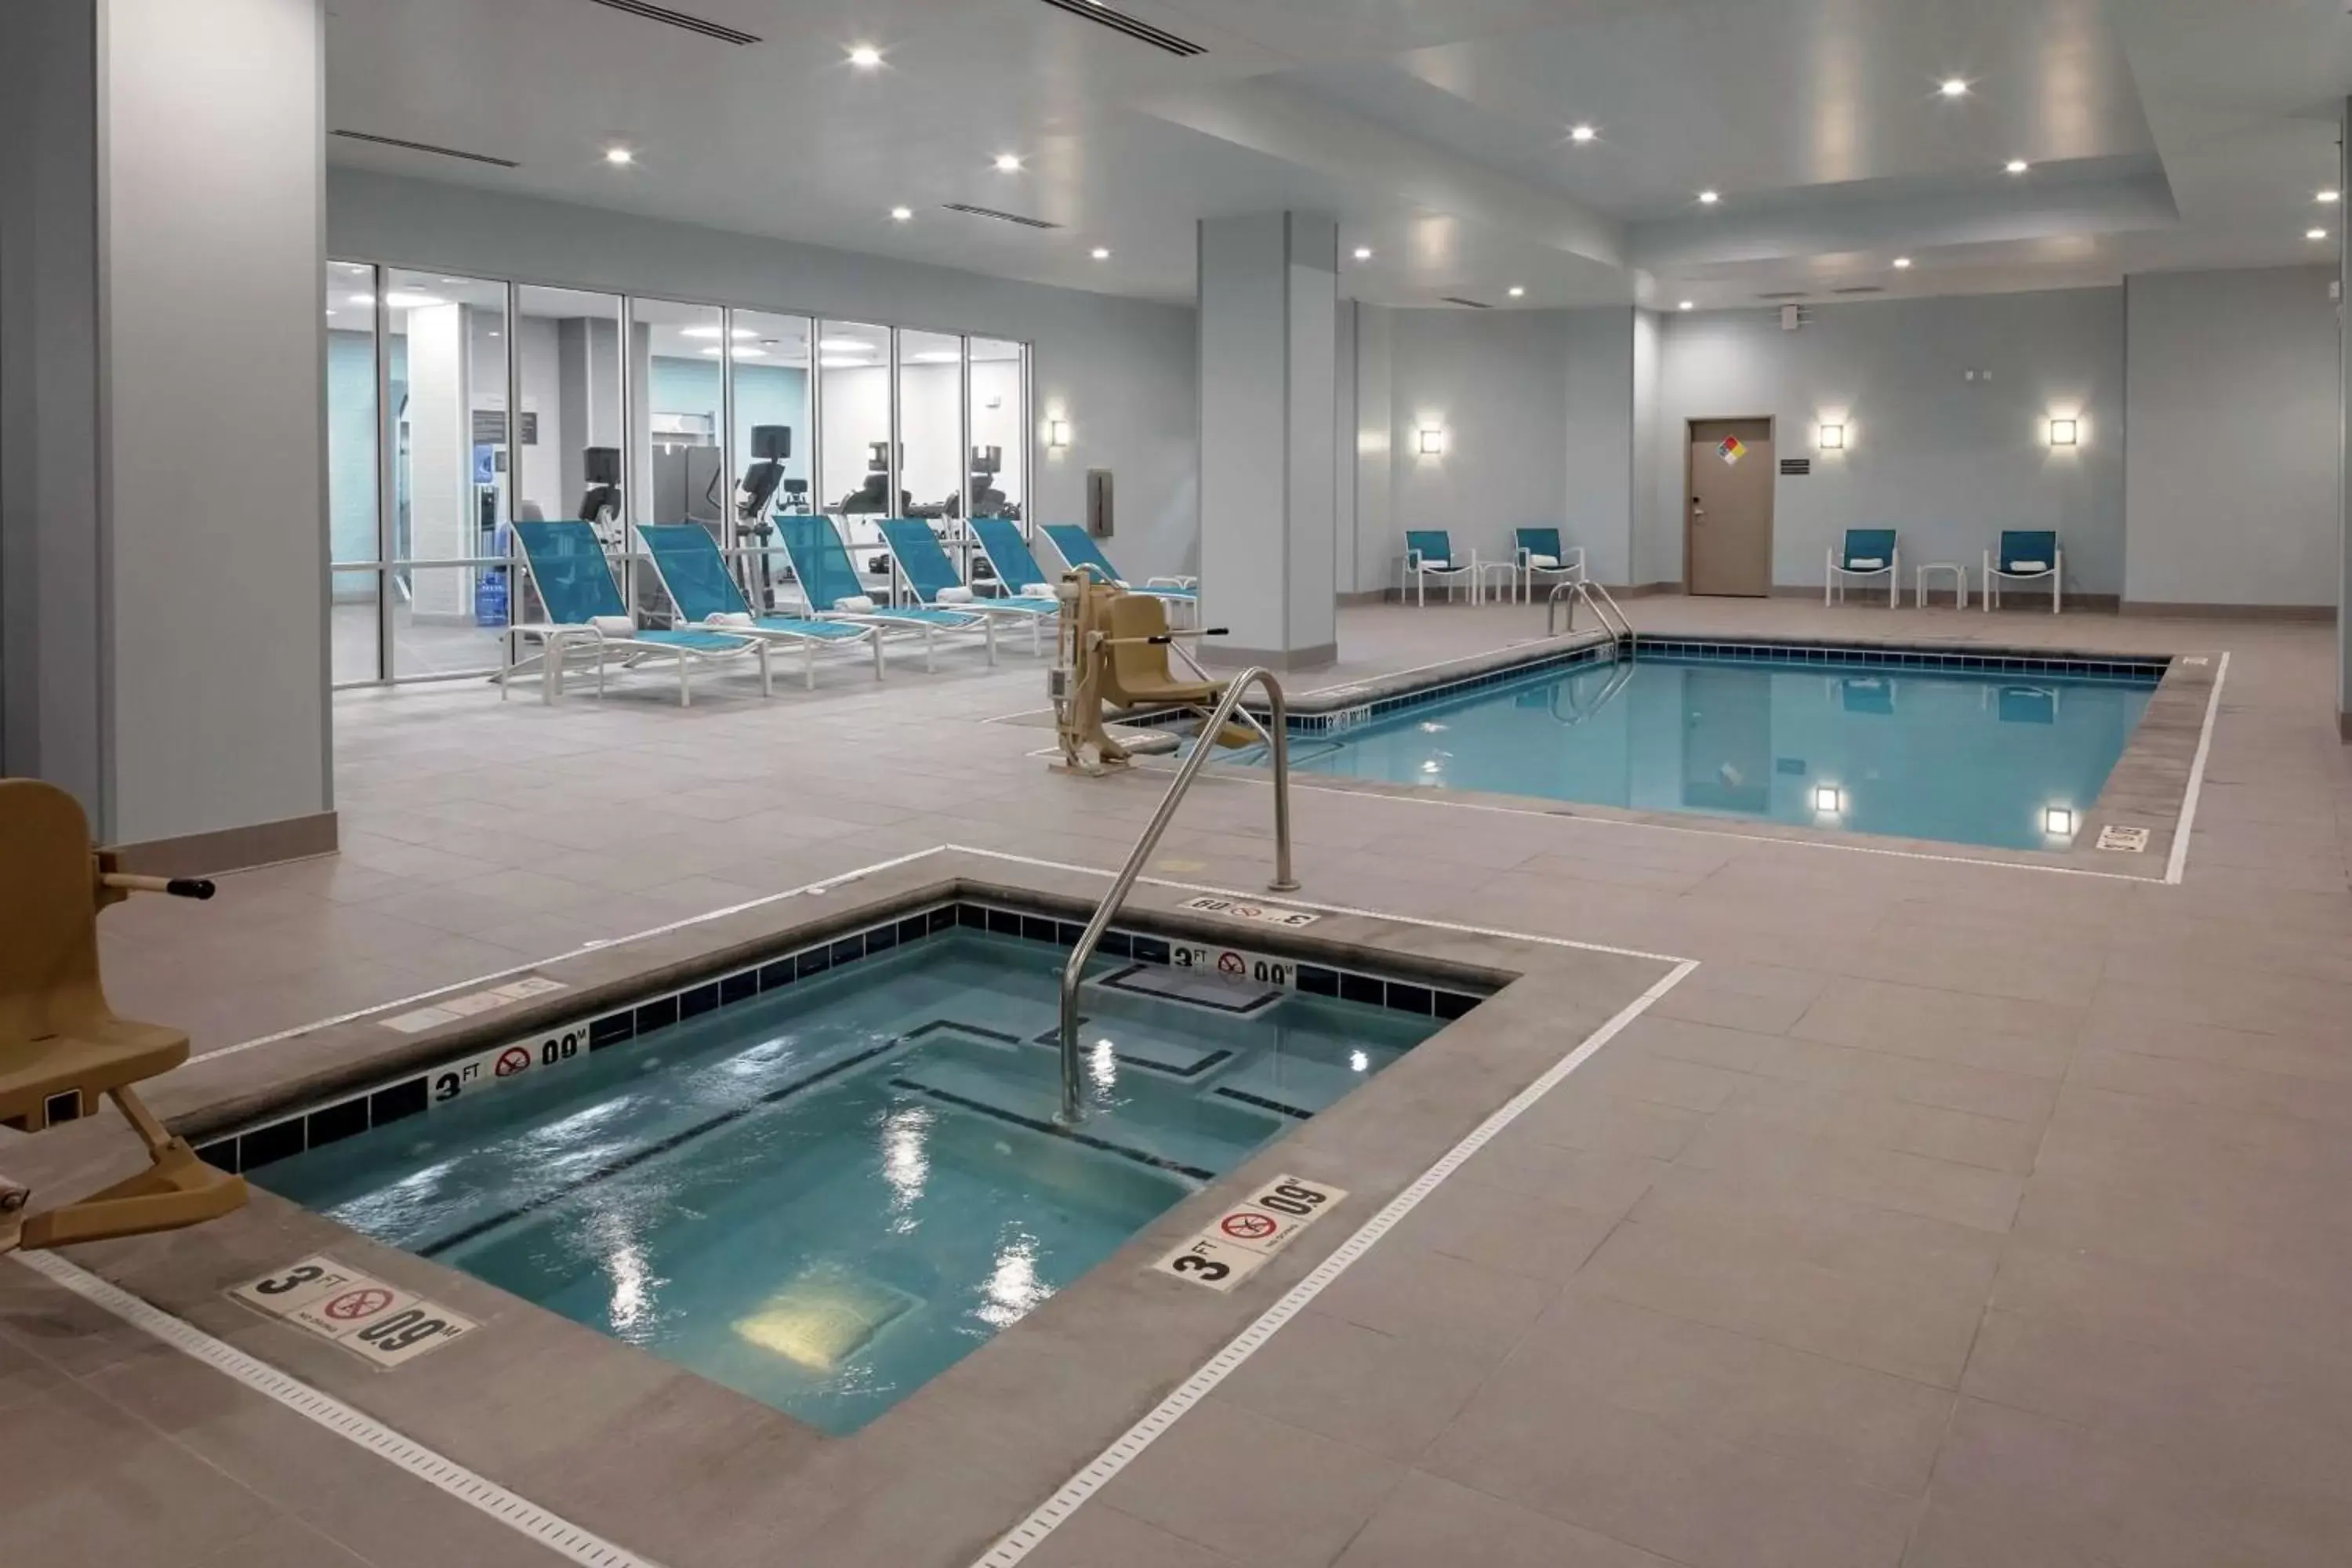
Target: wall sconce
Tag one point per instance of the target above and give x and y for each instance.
(1828, 799)
(1057, 434)
(1833, 437)
(2058, 821)
(2065, 432)
(1432, 443)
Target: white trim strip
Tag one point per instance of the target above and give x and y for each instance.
(1025, 1537)
(1291, 901)
(2176, 864)
(369, 1012)
(558, 1534)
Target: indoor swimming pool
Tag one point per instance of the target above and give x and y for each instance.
(1969, 750)
(823, 1181)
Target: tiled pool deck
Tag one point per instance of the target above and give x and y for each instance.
(1947, 1215)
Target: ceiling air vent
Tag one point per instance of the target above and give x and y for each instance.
(1001, 217)
(1473, 304)
(669, 18)
(1860, 288)
(1118, 22)
(427, 147)
(1777, 295)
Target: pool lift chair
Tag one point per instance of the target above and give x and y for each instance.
(61, 1046)
(1112, 655)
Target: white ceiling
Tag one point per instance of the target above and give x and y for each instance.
(2162, 134)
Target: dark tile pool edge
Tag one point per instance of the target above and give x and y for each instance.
(465, 1067)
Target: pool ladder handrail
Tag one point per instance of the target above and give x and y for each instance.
(1604, 605)
(1277, 733)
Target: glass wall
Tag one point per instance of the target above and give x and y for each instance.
(772, 450)
(354, 478)
(623, 409)
(854, 464)
(446, 429)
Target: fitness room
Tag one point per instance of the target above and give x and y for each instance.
(746, 751)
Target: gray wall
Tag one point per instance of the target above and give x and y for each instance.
(1496, 382)
(1597, 441)
(2230, 481)
(1650, 480)
(1121, 371)
(1947, 460)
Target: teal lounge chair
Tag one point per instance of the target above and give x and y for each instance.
(586, 615)
(829, 582)
(1429, 553)
(1010, 557)
(2025, 554)
(1537, 552)
(1866, 552)
(685, 560)
(1081, 553)
(934, 579)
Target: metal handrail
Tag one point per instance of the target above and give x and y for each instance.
(1584, 588)
(1124, 883)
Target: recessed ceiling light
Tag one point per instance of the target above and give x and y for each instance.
(866, 56)
(619, 155)
(902, 214)
(1581, 133)
(2329, 196)
(1688, 305)
(1363, 253)
(1901, 262)
(2017, 166)
(846, 345)
(1101, 253)
(1709, 199)
(1954, 87)
(1516, 292)
(401, 300)
(2315, 234)
(1007, 162)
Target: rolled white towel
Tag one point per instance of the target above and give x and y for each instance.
(614, 625)
(1867, 564)
(954, 596)
(1547, 563)
(2019, 568)
(1430, 564)
(731, 619)
(1037, 591)
(856, 604)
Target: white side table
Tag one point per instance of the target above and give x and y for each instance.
(1959, 580)
(1504, 574)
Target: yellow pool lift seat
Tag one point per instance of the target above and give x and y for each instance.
(62, 1047)
(1115, 650)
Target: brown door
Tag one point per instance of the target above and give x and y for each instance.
(1727, 539)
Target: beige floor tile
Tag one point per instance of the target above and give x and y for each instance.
(1536, 1234)
(1779, 1151)
(1446, 1303)
(1428, 1520)
(1387, 1393)
(1652, 1484)
(1100, 1536)
(1255, 1489)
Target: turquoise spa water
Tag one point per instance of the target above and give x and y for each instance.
(1956, 755)
(825, 1196)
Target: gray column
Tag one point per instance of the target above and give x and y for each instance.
(1269, 407)
(2344, 462)
(162, 518)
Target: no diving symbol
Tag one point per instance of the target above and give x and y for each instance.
(353, 1305)
(1247, 1226)
(1231, 964)
(512, 1060)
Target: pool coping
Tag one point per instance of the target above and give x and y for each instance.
(652, 1455)
(2151, 785)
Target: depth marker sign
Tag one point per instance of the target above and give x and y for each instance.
(381, 1322)
(1236, 1244)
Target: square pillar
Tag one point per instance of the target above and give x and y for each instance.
(1269, 290)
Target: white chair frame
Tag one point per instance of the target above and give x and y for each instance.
(1834, 580)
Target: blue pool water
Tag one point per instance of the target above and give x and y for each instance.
(825, 1196)
(1951, 755)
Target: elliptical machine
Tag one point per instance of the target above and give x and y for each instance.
(771, 445)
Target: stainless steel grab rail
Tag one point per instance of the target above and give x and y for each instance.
(1585, 588)
(1227, 706)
